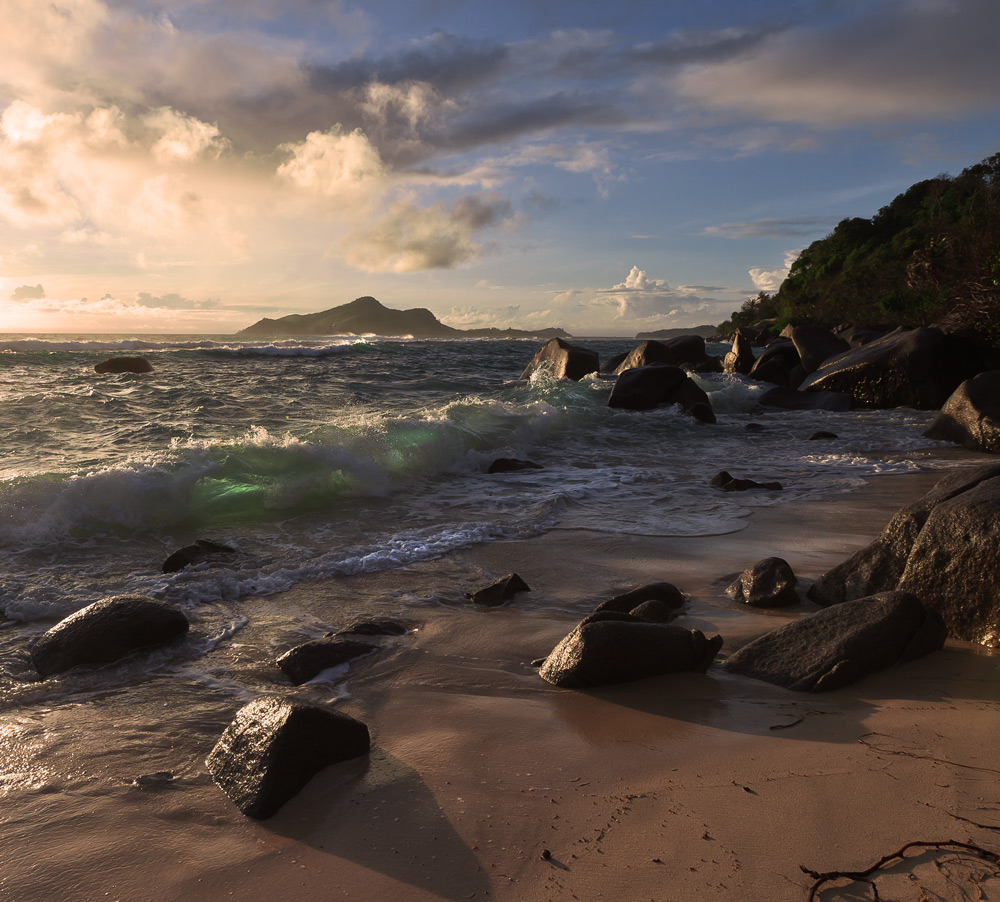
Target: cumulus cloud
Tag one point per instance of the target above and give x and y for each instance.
(334, 164)
(409, 238)
(770, 279)
(27, 293)
(182, 137)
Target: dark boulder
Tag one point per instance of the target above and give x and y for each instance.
(907, 368)
(971, 416)
(769, 583)
(610, 367)
(499, 592)
(741, 358)
(788, 398)
(105, 631)
(201, 550)
(646, 387)
(302, 663)
(512, 465)
(654, 610)
(815, 345)
(684, 350)
(274, 747)
(821, 434)
(667, 593)
(857, 336)
(838, 646)
(124, 365)
(941, 548)
(729, 483)
(602, 651)
(777, 363)
(561, 360)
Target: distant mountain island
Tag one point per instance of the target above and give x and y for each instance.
(367, 316)
(703, 331)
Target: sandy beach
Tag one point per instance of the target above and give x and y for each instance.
(485, 782)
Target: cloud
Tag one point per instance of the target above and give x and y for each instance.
(771, 279)
(409, 238)
(791, 227)
(173, 301)
(334, 163)
(637, 280)
(27, 293)
(182, 137)
(872, 69)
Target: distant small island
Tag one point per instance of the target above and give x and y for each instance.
(367, 316)
(704, 331)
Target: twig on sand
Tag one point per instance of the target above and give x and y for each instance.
(822, 878)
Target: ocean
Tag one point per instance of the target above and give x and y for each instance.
(349, 476)
(321, 458)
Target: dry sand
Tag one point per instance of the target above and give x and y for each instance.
(487, 783)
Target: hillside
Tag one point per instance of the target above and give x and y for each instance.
(367, 316)
(931, 256)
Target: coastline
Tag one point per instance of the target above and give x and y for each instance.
(675, 788)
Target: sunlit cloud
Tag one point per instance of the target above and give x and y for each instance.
(770, 279)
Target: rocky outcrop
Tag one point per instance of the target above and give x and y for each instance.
(202, 550)
(835, 647)
(611, 648)
(305, 661)
(274, 747)
(106, 631)
(685, 350)
(561, 360)
(814, 345)
(941, 548)
(778, 363)
(729, 483)
(646, 387)
(971, 416)
(499, 592)
(769, 583)
(788, 398)
(124, 365)
(741, 358)
(907, 368)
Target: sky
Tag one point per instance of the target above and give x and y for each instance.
(606, 167)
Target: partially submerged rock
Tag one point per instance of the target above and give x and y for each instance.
(839, 645)
(788, 398)
(105, 631)
(684, 350)
(305, 661)
(616, 648)
(777, 364)
(274, 747)
(202, 550)
(561, 360)
(124, 365)
(499, 592)
(512, 465)
(729, 483)
(663, 592)
(971, 416)
(943, 548)
(769, 583)
(655, 385)
(741, 358)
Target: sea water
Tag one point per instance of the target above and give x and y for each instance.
(320, 458)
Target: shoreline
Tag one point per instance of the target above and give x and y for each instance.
(672, 788)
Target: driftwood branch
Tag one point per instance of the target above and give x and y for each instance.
(864, 876)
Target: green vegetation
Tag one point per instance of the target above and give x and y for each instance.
(930, 256)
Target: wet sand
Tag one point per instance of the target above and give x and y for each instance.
(675, 788)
